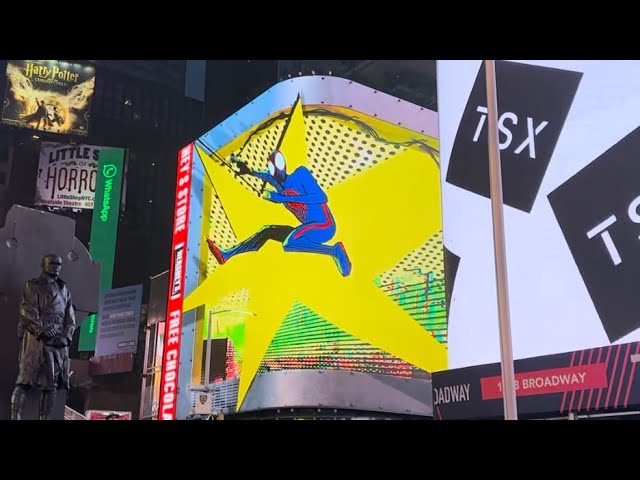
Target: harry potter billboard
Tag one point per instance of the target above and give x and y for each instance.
(49, 95)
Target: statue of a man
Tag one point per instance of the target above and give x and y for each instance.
(45, 329)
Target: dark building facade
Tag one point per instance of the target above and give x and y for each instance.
(232, 84)
(139, 105)
(410, 80)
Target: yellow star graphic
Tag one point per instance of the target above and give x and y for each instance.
(381, 215)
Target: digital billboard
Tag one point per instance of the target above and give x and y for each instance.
(49, 95)
(596, 380)
(67, 175)
(308, 233)
(568, 136)
(104, 230)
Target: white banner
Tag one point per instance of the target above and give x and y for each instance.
(67, 175)
(569, 135)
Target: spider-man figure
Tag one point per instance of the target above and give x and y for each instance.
(302, 196)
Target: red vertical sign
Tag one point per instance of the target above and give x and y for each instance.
(173, 327)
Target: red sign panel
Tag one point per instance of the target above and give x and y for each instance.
(173, 329)
(556, 380)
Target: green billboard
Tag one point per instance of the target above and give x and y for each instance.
(104, 230)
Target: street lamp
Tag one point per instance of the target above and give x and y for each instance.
(207, 361)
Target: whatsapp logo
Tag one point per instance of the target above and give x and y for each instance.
(109, 171)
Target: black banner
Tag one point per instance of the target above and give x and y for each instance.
(597, 210)
(533, 104)
(49, 95)
(586, 381)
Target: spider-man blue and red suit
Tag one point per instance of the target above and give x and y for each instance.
(300, 193)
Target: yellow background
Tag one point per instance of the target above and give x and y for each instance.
(384, 211)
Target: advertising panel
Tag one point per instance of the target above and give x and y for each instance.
(67, 175)
(104, 230)
(49, 95)
(177, 272)
(318, 234)
(119, 325)
(568, 134)
(582, 382)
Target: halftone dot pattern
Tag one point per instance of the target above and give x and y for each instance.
(338, 149)
(424, 259)
(220, 231)
(256, 151)
(416, 283)
(305, 340)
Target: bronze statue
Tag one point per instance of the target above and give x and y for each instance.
(45, 330)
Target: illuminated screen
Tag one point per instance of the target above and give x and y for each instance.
(49, 96)
(569, 136)
(320, 233)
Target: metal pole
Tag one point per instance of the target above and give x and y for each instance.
(145, 373)
(495, 179)
(207, 360)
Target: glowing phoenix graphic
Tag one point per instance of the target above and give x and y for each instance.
(48, 110)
